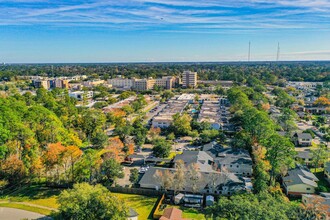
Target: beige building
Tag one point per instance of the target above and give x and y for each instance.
(144, 84)
(93, 83)
(189, 79)
(41, 83)
(166, 82)
(121, 83)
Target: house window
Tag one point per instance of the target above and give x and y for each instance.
(308, 188)
(237, 166)
(231, 165)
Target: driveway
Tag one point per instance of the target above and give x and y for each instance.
(18, 214)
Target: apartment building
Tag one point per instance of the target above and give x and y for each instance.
(166, 82)
(40, 83)
(143, 84)
(93, 83)
(122, 83)
(165, 118)
(189, 79)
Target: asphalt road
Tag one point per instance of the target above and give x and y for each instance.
(18, 214)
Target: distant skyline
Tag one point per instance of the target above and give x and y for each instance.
(52, 31)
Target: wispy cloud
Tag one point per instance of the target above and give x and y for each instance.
(176, 15)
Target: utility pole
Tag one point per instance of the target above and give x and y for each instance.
(278, 52)
(249, 54)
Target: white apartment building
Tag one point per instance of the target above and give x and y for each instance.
(189, 79)
(79, 95)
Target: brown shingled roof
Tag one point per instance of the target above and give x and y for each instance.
(172, 214)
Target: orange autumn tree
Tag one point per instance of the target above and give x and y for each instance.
(52, 158)
(154, 132)
(13, 168)
(265, 106)
(71, 155)
(322, 101)
(115, 149)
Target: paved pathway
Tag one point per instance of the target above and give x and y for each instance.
(28, 204)
(18, 214)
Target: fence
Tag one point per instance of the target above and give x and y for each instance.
(138, 191)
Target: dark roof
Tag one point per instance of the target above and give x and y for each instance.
(300, 175)
(304, 154)
(230, 180)
(304, 136)
(201, 158)
(228, 155)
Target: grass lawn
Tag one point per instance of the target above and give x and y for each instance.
(192, 214)
(37, 195)
(143, 205)
(27, 208)
(47, 197)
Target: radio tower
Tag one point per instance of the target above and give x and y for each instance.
(249, 54)
(278, 52)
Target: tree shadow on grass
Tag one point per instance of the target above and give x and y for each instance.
(35, 192)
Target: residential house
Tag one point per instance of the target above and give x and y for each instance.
(211, 182)
(305, 157)
(299, 181)
(172, 214)
(230, 160)
(209, 179)
(302, 139)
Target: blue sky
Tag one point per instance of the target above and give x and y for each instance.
(163, 30)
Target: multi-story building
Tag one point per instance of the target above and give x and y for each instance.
(144, 84)
(123, 83)
(41, 83)
(189, 79)
(93, 83)
(80, 95)
(166, 82)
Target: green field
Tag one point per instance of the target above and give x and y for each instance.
(43, 200)
(141, 204)
(37, 195)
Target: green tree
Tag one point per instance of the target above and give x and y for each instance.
(111, 170)
(320, 155)
(280, 154)
(181, 124)
(100, 140)
(162, 148)
(90, 202)
(134, 176)
(253, 206)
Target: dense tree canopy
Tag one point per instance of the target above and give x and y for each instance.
(91, 202)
